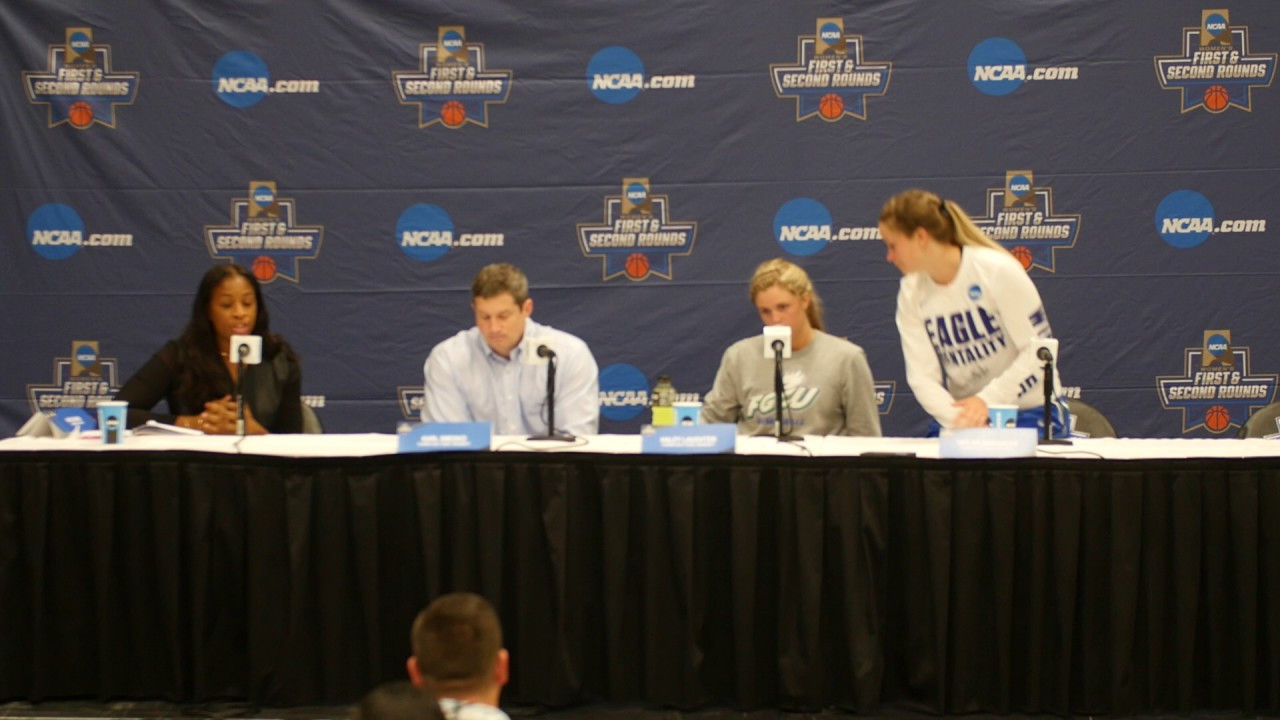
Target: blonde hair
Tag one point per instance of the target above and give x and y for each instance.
(791, 277)
(944, 220)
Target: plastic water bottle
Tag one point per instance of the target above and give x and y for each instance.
(662, 402)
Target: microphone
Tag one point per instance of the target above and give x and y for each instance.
(777, 338)
(247, 350)
(548, 355)
(1045, 350)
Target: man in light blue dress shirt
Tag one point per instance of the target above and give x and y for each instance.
(492, 371)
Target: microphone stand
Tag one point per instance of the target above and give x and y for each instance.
(240, 351)
(778, 394)
(546, 352)
(1046, 435)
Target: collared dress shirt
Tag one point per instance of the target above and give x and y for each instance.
(465, 381)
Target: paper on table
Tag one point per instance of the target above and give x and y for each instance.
(158, 428)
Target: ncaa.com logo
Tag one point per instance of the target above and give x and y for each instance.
(615, 75)
(803, 226)
(998, 66)
(1185, 219)
(624, 392)
(241, 79)
(56, 232)
(426, 232)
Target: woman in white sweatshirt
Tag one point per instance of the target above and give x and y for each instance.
(967, 316)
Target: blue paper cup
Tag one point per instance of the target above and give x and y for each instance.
(687, 413)
(1003, 416)
(111, 421)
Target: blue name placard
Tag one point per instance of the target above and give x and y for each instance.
(988, 443)
(68, 420)
(447, 437)
(691, 440)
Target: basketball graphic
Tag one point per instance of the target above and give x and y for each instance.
(1023, 253)
(264, 268)
(1215, 98)
(80, 114)
(831, 106)
(637, 266)
(1217, 419)
(453, 114)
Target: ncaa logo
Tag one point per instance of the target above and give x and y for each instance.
(831, 33)
(802, 226)
(263, 196)
(624, 392)
(1216, 26)
(55, 231)
(1020, 186)
(997, 66)
(425, 232)
(1217, 345)
(637, 193)
(975, 292)
(1184, 219)
(241, 79)
(86, 355)
(79, 42)
(615, 75)
(452, 41)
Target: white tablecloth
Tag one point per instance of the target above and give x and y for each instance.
(372, 444)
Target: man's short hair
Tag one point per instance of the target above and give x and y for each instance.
(399, 700)
(456, 640)
(498, 278)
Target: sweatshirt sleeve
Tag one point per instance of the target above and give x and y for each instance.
(721, 405)
(924, 371)
(1022, 315)
(862, 412)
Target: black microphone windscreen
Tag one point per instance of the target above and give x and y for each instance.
(1044, 354)
(546, 352)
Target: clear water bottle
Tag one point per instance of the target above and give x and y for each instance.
(662, 402)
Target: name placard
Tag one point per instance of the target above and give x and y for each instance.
(447, 437)
(691, 440)
(68, 420)
(988, 443)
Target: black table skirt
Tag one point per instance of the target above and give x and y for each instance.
(1062, 586)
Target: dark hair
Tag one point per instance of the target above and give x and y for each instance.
(456, 640)
(201, 374)
(398, 700)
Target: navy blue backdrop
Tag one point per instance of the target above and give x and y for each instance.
(367, 158)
